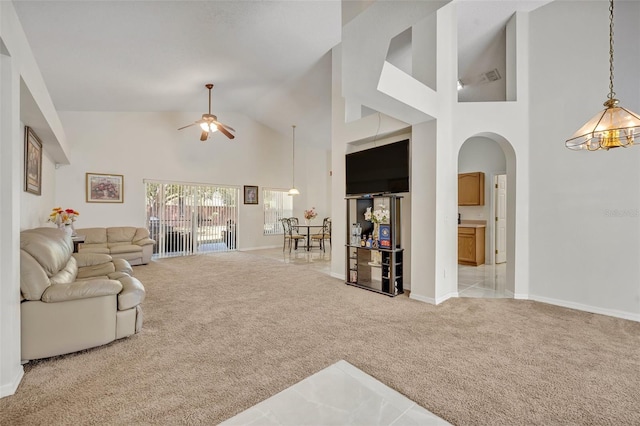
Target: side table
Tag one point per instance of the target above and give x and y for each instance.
(77, 240)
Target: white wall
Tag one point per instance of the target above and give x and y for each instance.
(149, 146)
(23, 100)
(480, 154)
(584, 223)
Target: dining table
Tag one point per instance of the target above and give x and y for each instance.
(298, 228)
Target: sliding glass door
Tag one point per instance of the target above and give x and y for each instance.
(191, 218)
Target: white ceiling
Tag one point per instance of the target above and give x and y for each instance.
(267, 59)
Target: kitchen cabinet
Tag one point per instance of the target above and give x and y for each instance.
(471, 245)
(471, 189)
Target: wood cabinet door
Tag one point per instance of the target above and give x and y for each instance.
(466, 248)
(471, 189)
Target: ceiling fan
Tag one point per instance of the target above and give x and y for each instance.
(209, 122)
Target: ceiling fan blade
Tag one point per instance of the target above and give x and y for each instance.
(189, 125)
(204, 135)
(225, 126)
(225, 131)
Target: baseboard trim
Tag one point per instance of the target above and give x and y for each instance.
(587, 308)
(11, 387)
(338, 276)
(431, 300)
(420, 298)
(446, 297)
(258, 248)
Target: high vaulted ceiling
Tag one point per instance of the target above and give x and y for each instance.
(268, 59)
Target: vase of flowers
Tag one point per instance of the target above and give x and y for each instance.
(377, 216)
(309, 215)
(64, 218)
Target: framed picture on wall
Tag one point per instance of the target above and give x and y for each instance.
(103, 188)
(250, 194)
(32, 162)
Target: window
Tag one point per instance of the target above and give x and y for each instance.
(277, 203)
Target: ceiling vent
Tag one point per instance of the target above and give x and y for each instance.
(492, 75)
(486, 77)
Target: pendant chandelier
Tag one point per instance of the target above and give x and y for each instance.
(293, 190)
(615, 126)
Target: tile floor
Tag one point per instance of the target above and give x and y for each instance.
(314, 259)
(340, 394)
(484, 281)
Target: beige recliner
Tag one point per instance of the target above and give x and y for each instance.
(71, 301)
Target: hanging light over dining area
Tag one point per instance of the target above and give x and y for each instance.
(615, 126)
(293, 190)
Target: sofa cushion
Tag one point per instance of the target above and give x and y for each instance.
(81, 290)
(90, 259)
(33, 279)
(119, 234)
(94, 235)
(94, 248)
(47, 247)
(103, 269)
(67, 274)
(125, 248)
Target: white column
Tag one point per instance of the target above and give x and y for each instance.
(10, 183)
(423, 211)
(446, 262)
(338, 151)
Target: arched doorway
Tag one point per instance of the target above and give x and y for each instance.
(492, 273)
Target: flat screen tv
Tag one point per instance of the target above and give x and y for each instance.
(380, 170)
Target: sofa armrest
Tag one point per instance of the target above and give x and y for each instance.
(144, 242)
(91, 259)
(132, 293)
(122, 265)
(81, 290)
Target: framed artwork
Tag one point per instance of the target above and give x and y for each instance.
(32, 162)
(102, 188)
(250, 194)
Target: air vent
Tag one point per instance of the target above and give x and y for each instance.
(492, 75)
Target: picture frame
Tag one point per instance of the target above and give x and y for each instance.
(104, 188)
(32, 162)
(250, 194)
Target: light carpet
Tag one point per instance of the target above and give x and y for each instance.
(225, 331)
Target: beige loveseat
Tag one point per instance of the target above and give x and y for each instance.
(121, 242)
(71, 301)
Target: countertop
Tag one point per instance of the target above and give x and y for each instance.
(473, 224)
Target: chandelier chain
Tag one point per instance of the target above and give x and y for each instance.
(611, 92)
(293, 155)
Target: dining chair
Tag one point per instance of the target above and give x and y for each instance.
(294, 225)
(324, 234)
(289, 235)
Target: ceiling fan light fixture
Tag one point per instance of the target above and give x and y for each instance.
(615, 126)
(208, 127)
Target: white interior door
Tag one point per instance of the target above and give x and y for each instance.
(500, 198)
